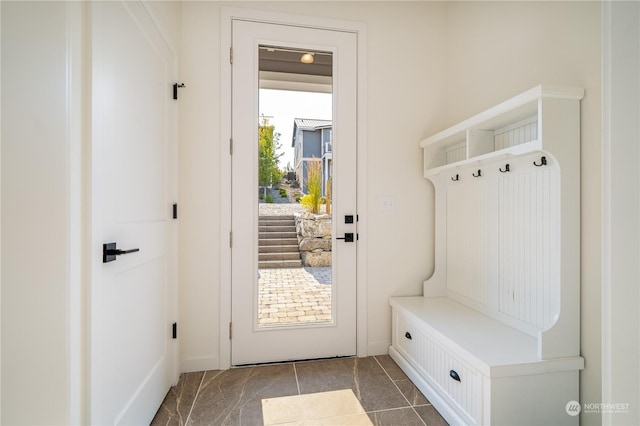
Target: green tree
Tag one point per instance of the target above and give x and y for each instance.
(268, 156)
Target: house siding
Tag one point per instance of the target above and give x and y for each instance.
(312, 144)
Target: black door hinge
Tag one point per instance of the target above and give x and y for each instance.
(175, 89)
(175, 210)
(174, 330)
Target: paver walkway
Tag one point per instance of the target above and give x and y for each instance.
(294, 296)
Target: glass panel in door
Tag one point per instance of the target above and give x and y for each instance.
(294, 187)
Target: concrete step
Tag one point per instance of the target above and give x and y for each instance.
(278, 256)
(276, 223)
(279, 249)
(273, 228)
(278, 241)
(265, 235)
(279, 264)
(290, 217)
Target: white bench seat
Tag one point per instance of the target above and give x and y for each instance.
(493, 348)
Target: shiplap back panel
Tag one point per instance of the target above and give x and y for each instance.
(456, 153)
(528, 209)
(467, 261)
(503, 238)
(515, 134)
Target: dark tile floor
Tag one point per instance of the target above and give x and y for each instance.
(234, 397)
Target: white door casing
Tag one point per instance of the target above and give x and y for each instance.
(133, 187)
(298, 342)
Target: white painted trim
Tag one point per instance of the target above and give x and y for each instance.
(620, 194)
(606, 208)
(87, 210)
(77, 119)
(0, 220)
(379, 347)
(225, 189)
(203, 363)
(362, 196)
(227, 14)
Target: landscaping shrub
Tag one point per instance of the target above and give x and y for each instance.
(311, 201)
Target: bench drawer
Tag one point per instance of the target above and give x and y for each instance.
(457, 380)
(454, 379)
(408, 338)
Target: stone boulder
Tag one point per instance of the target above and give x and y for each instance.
(316, 258)
(311, 244)
(310, 225)
(314, 238)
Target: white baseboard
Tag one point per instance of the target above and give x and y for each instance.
(204, 363)
(378, 348)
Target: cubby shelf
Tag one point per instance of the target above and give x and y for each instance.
(510, 128)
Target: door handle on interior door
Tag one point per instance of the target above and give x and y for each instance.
(348, 237)
(110, 251)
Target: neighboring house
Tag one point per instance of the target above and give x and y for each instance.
(312, 139)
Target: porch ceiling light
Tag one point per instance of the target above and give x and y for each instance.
(307, 58)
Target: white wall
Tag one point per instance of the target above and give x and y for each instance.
(405, 74)
(496, 50)
(41, 328)
(621, 211)
(199, 186)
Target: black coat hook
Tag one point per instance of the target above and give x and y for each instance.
(506, 169)
(456, 179)
(479, 173)
(176, 86)
(543, 162)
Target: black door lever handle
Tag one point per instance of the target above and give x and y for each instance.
(348, 237)
(110, 251)
(118, 252)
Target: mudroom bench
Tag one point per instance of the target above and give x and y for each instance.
(495, 337)
(476, 370)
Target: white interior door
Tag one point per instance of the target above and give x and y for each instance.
(252, 342)
(133, 188)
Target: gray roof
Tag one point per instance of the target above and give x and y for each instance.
(311, 124)
(308, 124)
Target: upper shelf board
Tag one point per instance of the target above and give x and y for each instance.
(514, 109)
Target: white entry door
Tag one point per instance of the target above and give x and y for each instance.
(133, 187)
(253, 342)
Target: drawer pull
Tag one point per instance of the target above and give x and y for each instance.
(408, 335)
(454, 375)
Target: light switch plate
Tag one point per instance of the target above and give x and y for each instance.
(387, 204)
